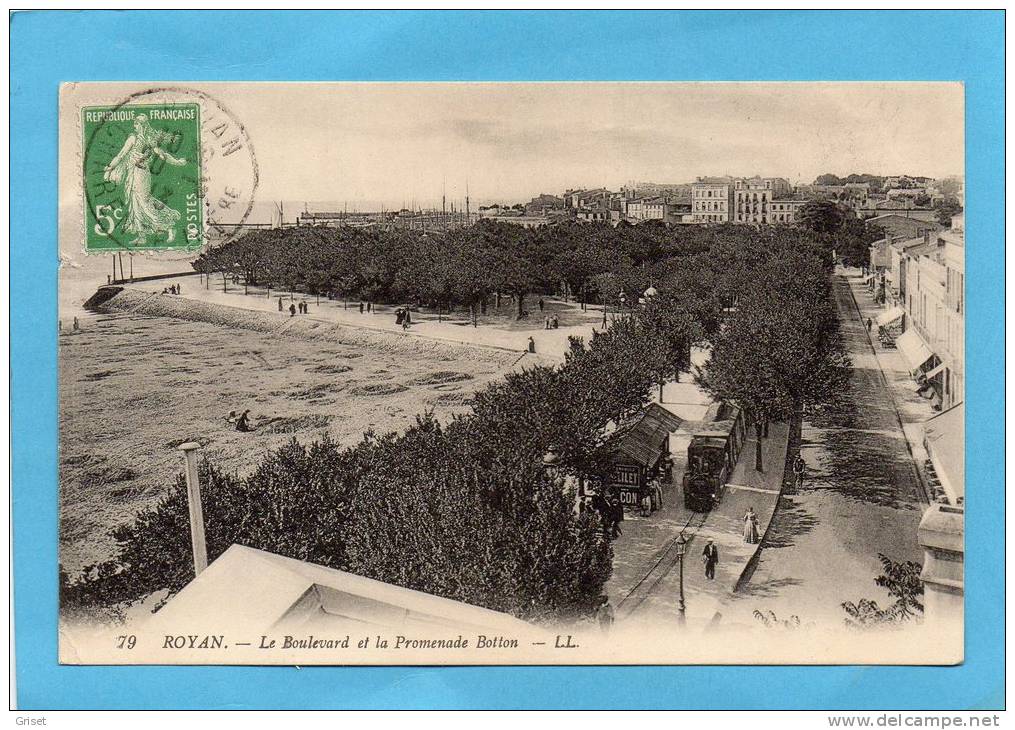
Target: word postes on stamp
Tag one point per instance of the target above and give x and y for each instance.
(142, 177)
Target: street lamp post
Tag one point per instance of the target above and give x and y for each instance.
(681, 550)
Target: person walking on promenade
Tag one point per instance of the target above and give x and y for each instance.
(617, 512)
(242, 424)
(280, 304)
(554, 321)
(751, 527)
(292, 310)
(604, 614)
(541, 304)
(799, 467)
(870, 324)
(657, 493)
(710, 557)
(532, 345)
(361, 307)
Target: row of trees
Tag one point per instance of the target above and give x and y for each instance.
(467, 267)
(463, 510)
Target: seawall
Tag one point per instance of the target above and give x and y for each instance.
(112, 299)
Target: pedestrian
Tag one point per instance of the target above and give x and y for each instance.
(657, 493)
(408, 317)
(870, 324)
(604, 614)
(232, 418)
(368, 308)
(399, 315)
(617, 509)
(292, 310)
(280, 304)
(361, 307)
(242, 424)
(546, 322)
(645, 500)
(77, 326)
(799, 467)
(555, 322)
(541, 304)
(179, 288)
(532, 345)
(710, 557)
(751, 527)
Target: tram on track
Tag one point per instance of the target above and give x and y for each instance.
(711, 456)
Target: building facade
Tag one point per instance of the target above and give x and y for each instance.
(785, 211)
(711, 200)
(753, 198)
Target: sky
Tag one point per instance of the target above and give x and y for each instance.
(368, 146)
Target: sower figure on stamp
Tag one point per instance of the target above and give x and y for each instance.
(146, 214)
(710, 557)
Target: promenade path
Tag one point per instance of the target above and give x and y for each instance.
(498, 329)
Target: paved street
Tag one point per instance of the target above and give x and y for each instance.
(862, 496)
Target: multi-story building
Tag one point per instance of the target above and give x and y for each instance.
(593, 214)
(711, 200)
(785, 210)
(752, 198)
(585, 198)
(646, 209)
(928, 288)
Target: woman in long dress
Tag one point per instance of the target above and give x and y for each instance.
(750, 527)
(146, 215)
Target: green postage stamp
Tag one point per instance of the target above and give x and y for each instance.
(142, 177)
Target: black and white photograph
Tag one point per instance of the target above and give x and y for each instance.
(511, 373)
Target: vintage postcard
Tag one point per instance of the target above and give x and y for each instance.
(511, 373)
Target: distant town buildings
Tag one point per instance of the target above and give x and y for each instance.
(904, 205)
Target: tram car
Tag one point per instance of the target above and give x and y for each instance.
(711, 456)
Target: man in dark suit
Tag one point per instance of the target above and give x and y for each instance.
(710, 557)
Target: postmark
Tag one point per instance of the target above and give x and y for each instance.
(165, 169)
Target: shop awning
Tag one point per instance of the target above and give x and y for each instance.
(944, 439)
(890, 315)
(914, 349)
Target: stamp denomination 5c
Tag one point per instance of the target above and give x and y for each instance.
(142, 177)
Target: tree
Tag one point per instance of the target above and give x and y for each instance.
(902, 581)
(781, 351)
(946, 210)
(828, 179)
(821, 216)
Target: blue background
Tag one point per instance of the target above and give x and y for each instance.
(50, 47)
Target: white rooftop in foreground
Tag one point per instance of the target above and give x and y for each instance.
(256, 591)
